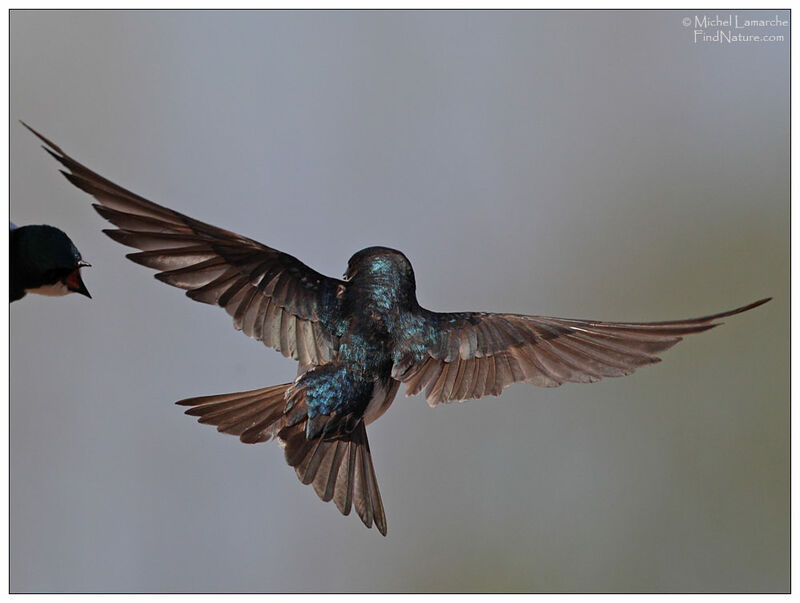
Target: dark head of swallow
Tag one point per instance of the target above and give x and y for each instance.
(44, 260)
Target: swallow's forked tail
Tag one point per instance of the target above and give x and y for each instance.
(339, 468)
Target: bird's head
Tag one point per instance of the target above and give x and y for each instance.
(51, 260)
(381, 263)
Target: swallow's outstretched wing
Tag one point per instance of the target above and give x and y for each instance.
(459, 356)
(272, 296)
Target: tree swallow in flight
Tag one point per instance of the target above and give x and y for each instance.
(356, 340)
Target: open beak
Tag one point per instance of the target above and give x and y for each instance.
(74, 281)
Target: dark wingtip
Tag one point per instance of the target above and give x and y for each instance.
(728, 313)
(48, 142)
(755, 304)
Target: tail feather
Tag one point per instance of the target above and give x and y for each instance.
(343, 488)
(363, 503)
(339, 468)
(255, 415)
(328, 471)
(309, 467)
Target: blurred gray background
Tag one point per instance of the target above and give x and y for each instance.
(578, 164)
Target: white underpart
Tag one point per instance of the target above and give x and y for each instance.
(57, 289)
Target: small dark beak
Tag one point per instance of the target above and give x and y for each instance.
(74, 281)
